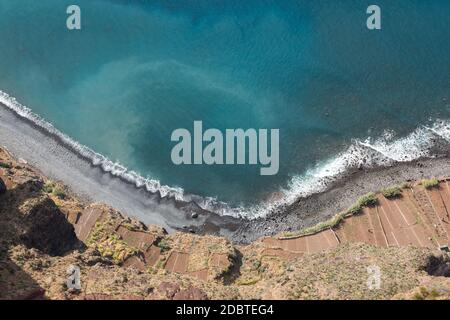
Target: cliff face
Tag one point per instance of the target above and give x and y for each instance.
(45, 230)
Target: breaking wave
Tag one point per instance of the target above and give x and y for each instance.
(424, 142)
(116, 169)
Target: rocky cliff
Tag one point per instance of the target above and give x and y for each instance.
(45, 230)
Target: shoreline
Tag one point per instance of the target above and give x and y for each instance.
(44, 151)
(309, 211)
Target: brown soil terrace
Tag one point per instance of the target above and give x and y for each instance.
(418, 218)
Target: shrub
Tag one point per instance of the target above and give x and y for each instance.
(248, 282)
(424, 293)
(5, 165)
(59, 192)
(430, 183)
(48, 187)
(164, 245)
(366, 200)
(418, 296)
(354, 209)
(334, 221)
(97, 233)
(369, 199)
(256, 265)
(392, 192)
(51, 187)
(113, 247)
(108, 244)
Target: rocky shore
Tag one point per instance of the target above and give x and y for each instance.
(306, 212)
(58, 161)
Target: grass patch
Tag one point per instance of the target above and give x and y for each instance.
(110, 245)
(164, 245)
(392, 192)
(96, 234)
(424, 294)
(5, 165)
(48, 187)
(318, 227)
(248, 282)
(160, 264)
(256, 265)
(369, 199)
(430, 183)
(116, 249)
(53, 188)
(59, 193)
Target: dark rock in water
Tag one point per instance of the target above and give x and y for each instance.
(48, 229)
(194, 215)
(191, 230)
(2, 186)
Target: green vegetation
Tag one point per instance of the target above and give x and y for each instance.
(53, 188)
(256, 264)
(113, 247)
(214, 248)
(59, 193)
(369, 199)
(5, 165)
(97, 233)
(424, 294)
(430, 183)
(161, 263)
(392, 192)
(334, 221)
(109, 245)
(130, 226)
(248, 282)
(152, 270)
(163, 245)
(48, 187)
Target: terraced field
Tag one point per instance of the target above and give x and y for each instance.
(419, 217)
(117, 252)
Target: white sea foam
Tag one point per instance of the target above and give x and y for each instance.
(383, 151)
(96, 159)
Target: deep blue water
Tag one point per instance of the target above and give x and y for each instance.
(140, 69)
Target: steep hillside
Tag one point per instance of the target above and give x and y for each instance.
(45, 229)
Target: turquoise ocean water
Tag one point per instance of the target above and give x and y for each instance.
(340, 94)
